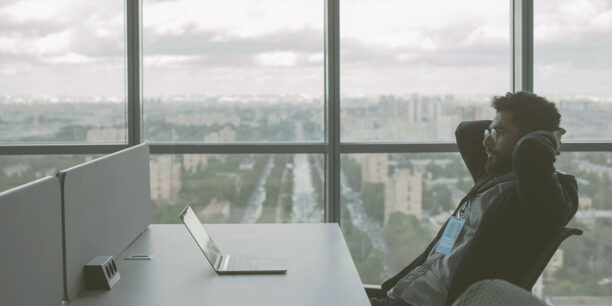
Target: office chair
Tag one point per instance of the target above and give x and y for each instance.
(500, 292)
(496, 292)
(531, 273)
(374, 291)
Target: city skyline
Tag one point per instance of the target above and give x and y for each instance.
(254, 118)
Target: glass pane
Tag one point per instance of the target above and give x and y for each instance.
(579, 272)
(21, 169)
(224, 71)
(394, 204)
(62, 72)
(573, 63)
(243, 188)
(424, 67)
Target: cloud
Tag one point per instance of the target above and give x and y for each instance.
(560, 21)
(573, 43)
(70, 58)
(316, 57)
(42, 11)
(273, 46)
(424, 78)
(234, 80)
(276, 59)
(54, 43)
(221, 49)
(51, 44)
(195, 41)
(171, 60)
(237, 18)
(421, 24)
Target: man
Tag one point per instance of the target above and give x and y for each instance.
(516, 203)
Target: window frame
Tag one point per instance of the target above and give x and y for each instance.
(521, 78)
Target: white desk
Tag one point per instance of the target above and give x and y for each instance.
(320, 269)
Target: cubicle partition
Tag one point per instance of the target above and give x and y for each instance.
(103, 206)
(106, 204)
(31, 244)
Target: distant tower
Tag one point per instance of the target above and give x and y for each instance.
(165, 176)
(437, 111)
(374, 167)
(417, 114)
(412, 110)
(403, 193)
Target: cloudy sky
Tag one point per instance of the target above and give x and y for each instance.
(77, 47)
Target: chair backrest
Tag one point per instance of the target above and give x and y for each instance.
(534, 271)
(31, 244)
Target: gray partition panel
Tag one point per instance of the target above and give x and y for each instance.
(31, 244)
(106, 204)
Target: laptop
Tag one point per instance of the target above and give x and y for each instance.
(227, 263)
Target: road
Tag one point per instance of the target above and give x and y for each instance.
(360, 219)
(304, 199)
(255, 202)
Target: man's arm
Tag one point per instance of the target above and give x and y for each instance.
(545, 194)
(469, 135)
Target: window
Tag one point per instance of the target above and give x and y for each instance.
(411, 78)
(242, 98)
(573, 63)
(238, 188)
(227, 71)
(573, 66)
(418, 68)
(62, 71)
(582, 266)
(385, 225)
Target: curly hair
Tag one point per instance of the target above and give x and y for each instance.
(530, 112)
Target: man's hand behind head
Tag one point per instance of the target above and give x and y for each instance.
(558, 133)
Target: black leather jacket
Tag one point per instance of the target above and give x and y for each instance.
(520, 221)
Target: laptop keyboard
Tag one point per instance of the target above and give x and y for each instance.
(254, 262)
(242, 262)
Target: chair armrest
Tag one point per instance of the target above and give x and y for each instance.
(374, 291)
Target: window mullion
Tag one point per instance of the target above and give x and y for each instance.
(134, 75)
(56, 149)
(522, 45)
(332, 110)
(238, 148)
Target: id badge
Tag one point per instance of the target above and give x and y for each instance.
(449, 237)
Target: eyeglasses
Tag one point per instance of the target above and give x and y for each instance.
(492, 133)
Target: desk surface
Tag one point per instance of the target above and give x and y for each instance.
(320, 269)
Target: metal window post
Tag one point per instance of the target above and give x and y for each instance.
(522, 45)
(332, 110)
(133, 18)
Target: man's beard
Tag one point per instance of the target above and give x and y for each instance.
(498, 163)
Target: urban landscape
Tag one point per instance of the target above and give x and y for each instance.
(392, 205)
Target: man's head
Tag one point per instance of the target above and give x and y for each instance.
(517, 114)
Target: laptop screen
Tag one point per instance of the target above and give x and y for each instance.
(200, 235)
